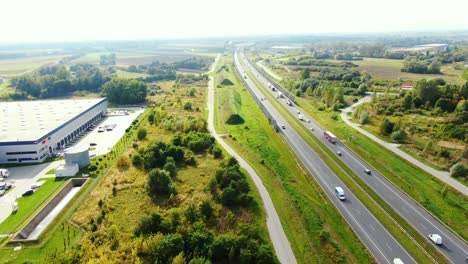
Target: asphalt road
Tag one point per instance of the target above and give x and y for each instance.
(453, 247)
(275, 229)
(382, 245)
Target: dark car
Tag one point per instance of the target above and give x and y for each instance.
(92, 144)
(28, 193)
(8, 186)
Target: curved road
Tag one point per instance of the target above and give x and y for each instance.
(382, 245)
(454, 247)
(441, 175)
(275, 229)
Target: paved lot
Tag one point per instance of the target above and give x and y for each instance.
(25, 176)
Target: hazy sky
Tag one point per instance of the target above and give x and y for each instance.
(69, 20)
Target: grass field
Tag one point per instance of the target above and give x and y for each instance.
(390, 70)
(14, 67)
(304, 210)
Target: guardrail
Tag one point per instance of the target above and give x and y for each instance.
(273, 82)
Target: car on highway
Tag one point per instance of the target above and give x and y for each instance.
(339, 153)
(28, 193)
(367, 171)
(436, 238)
(398, 261)
(340, 193)
(312, 129)
(283, 126)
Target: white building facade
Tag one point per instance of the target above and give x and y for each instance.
(38, 149)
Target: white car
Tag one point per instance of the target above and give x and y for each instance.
(2, 192)
(398, 261)
(436, 238)
(340, 193)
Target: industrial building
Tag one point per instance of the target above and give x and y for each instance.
(30, 131)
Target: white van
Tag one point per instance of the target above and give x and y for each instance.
(398, 261)
(340, 193)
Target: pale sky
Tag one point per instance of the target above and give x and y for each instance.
(71, 20)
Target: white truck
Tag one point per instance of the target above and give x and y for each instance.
(436, 238)
(4, 173)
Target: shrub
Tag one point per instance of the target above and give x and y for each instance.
(141, 133)
(170, 166)
(458, 170)
(217, 152)
(123, 163)
(159, 182)
(364, 117)
(398, 136)
(188, 106)
(235, 119)
(92, 168)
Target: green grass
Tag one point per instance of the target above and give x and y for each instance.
(379, 208)
(125, 74)
(27, 206)
(14, 67)
(303, 208)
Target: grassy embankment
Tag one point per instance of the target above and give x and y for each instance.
(383, 212)
(305, 212)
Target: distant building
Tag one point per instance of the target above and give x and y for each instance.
(406, 86)
(2, 80)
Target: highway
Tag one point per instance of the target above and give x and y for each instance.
(382, 245)
(454, 248)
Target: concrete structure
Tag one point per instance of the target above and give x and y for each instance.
(30, 131)
(67, 170)
(77, 155)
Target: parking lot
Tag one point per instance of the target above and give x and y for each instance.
(25, 176)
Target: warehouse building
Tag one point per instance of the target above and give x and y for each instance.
(30, 131)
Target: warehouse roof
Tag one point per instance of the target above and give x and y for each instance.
(32, 120)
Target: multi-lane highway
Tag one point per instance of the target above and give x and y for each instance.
(453, 247)
(383, 246)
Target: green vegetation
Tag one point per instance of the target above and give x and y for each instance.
(125, 91)
(315, 229)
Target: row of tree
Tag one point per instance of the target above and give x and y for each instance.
(414, 65)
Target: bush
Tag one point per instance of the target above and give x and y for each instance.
(170, 166)
(160, 182)
(217, 152)
(92, 168)
(398, 136)
(235, 119)
(141, 133)
(364, 117)
(188, 106)
(458, 170)
(123, 163)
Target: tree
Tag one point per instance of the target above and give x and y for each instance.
(159, 182)
(458, 170)
(364, 117)
(407, 101)
(125, 91)
(434, 67)
(188, 106)
(427, 91)
(398, 136)
(417, 102)
(386, 127)
(363, 89)
(464, 89)
(305, 74)
(170, 166)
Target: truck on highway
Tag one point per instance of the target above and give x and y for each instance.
(329, 136)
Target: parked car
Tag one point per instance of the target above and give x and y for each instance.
(92, 144)
(36, 185)
(2, 185)
(2, 192)
(8, 186)
(367, 171)
(28, 193)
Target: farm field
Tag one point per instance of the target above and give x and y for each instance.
(390, 69)
(14, 67)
